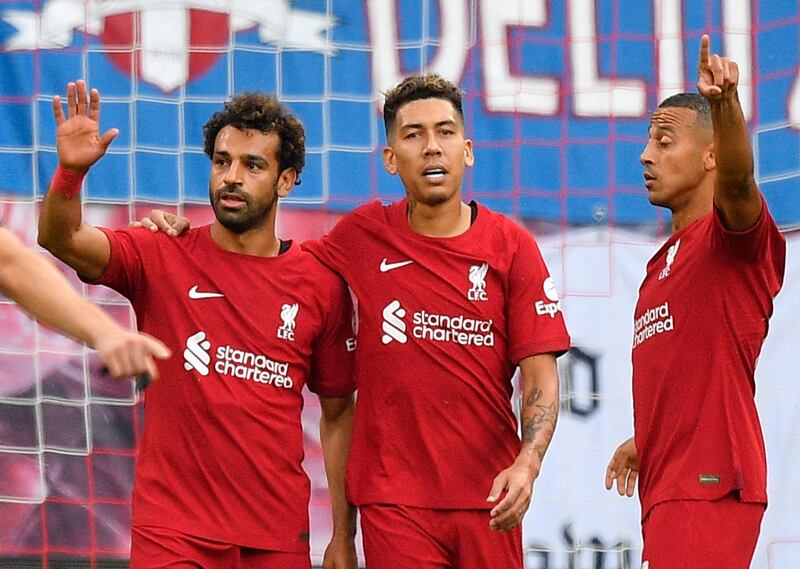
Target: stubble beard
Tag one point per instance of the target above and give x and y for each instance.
(434, 197)
(252, 216)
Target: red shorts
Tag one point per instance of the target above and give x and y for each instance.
(159, 548)
(701, 534)
(402, 536)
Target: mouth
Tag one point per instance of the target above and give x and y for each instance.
(649, 180)
(231, 200)
(434, 174)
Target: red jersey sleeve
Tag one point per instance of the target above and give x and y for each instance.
(332, 250)
(349, 239)
(762, 245)
(125, 270)
(332, 366)
(535, 320)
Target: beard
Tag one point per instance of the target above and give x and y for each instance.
(253, 215)
(433, 198)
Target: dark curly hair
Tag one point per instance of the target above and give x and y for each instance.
(266, 114)
(419, 87)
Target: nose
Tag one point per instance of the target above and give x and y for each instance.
(646, 157)
(232, 175)
(432, 147)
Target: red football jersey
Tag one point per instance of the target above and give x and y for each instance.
(442, 323)
(222, 444)
(700, 321)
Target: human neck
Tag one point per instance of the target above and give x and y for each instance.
(700, 205)
(258, 241)
(447, 219)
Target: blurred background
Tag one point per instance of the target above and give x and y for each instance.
(557, 98)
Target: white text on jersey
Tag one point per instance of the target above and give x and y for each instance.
(652, 321)
(256, 367)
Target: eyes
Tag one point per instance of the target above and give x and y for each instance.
(661, 140)
(444, 131)
(250, 165)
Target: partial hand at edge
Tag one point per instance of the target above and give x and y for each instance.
(623, 468)
(127, 353)
(160, 220)
(340, 554)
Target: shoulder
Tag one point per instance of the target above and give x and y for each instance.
(142, 235)
(310, 268)
(762, 238)
(365, 214)
(317, 279)
(301, 255)
(503, 230)
(354, 233)
(498, 222)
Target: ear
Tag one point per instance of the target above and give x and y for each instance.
(469, 155)
(390, 160)
(286, 181)
(709, 158)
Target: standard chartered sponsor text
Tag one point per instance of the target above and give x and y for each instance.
(254, 367)
(655, 320)
(457, 329)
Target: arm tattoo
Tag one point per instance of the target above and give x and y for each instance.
(539, 422)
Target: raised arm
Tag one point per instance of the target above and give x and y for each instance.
(736, 194)
(540, 401)
(79, 145)
(335, 428)
(40, 290)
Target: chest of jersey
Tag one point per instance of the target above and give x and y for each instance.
(417, 294)
(252, 324)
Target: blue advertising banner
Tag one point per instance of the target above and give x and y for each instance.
(557, 94)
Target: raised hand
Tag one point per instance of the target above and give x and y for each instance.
(78, 139)
(717, 76)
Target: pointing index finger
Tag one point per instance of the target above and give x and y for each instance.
(705, 60)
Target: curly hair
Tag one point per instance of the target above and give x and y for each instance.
(419, 87)
(265, 114)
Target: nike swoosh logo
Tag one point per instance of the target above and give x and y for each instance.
(386, 266)
(196, 294)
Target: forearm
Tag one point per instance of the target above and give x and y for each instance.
(733, 153)
(61, 216)
(63, 233)
(336, 427)
(43, 292)
(539, 412)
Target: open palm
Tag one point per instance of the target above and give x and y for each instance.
(78, 139)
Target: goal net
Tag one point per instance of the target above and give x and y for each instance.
(557, 101)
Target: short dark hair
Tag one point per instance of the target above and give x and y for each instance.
(693, 101)
(419, 87)
(265, 114)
